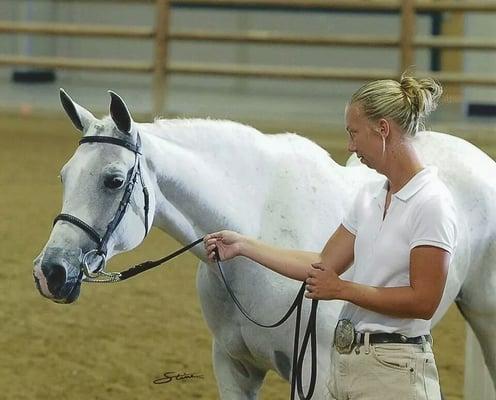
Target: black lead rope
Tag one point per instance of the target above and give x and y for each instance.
(298, 354)
(310, 334)
(145, 266)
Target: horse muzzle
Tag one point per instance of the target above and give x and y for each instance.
(57, 274)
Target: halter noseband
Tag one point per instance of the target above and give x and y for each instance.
(102, 241)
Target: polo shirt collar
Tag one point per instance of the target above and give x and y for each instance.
(416, 183)
(413, 185)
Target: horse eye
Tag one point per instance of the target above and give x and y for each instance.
(113, 182)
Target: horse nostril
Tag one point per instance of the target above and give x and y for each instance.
(55, 275)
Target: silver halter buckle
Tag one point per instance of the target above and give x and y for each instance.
(86, 268)
(100, 275)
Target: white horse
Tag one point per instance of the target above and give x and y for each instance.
(206, 175)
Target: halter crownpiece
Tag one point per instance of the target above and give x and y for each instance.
(102, 241)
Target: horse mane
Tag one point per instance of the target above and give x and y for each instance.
(207, 132)
(204, 132)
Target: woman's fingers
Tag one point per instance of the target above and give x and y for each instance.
(318, 266)
(212, 255)
(224, 241)
(211, 247)
(213, 235)
(209, 244)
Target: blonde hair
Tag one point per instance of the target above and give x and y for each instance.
(407, 102)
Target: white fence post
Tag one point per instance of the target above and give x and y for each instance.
(478, 383)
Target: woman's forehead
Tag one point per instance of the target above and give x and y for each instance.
(353, 113)
(355, 108)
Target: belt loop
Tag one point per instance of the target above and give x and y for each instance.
(357, 341)
(424, 341)
(366, 342)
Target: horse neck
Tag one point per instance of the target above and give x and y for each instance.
(206, 175)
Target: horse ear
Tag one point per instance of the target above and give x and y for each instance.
(120, 113)
(80, 116)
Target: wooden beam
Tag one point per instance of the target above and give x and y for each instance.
(42, 28)
(455, 42)
(452, 59)
(455, 78)
(161, 46)
(465, 5)
(241, 70)
(304, 4)
(76, 63)
(269, 37)
(407, 34)
(278, 72)
(384, 5)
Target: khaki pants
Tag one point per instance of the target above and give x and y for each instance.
(384, 371)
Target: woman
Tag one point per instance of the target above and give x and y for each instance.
(399, 235)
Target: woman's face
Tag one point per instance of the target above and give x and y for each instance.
(364, 137)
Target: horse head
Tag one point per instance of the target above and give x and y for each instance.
(104, 212)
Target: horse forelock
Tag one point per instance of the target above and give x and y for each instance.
(104, 127)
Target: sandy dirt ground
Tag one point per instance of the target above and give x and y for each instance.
(117, 339)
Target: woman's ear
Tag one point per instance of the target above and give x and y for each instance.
(383, 127)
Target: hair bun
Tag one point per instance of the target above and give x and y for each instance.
(423, 94)
(407, 102)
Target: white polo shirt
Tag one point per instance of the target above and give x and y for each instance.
(422, 212)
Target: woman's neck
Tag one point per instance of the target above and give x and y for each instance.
(402, 165)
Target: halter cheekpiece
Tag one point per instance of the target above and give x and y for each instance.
(102, 241)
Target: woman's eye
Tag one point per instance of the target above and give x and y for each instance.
(113, 182)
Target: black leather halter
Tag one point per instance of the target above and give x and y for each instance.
(132, 176)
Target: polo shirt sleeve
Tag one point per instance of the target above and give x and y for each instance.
(435, 224)
(350, 221)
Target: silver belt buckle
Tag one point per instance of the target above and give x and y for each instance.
(344, 336)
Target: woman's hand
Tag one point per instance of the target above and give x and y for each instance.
(323, 283)
(227, 243)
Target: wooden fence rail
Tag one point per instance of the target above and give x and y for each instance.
(259, 37)
(407, 42)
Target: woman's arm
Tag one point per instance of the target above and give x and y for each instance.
(428, 273)
(295, 264)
